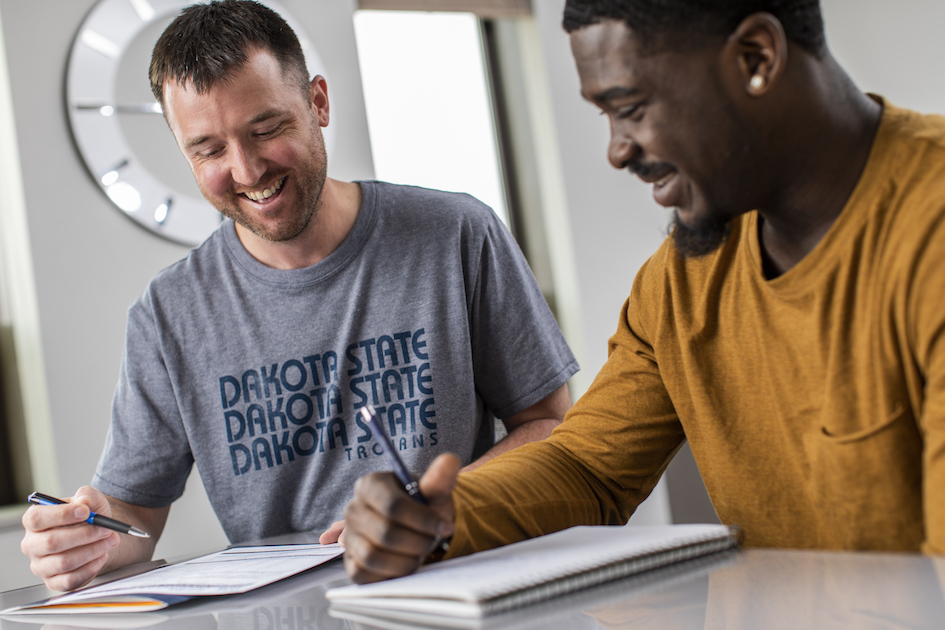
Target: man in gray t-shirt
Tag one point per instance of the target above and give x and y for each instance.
(426, 311)
(252, 356)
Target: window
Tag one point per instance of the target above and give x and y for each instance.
(428, 102)
(458, 101)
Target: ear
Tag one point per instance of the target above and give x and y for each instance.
(319, 97)
(759, 49)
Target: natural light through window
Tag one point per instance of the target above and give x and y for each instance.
(428, 106)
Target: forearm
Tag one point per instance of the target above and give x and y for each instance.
(536, 490)
(132, 549)
(532, 431)
(594, 470)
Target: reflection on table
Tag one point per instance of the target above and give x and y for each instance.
(750, 589)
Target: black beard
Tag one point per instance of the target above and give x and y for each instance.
(702, 239)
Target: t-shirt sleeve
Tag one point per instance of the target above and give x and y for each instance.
(597, 466)
(147, 457)
(519, 354)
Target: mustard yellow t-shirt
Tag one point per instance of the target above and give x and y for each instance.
(814, 402)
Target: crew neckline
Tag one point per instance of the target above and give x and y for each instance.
(855, 212)
(350, 247)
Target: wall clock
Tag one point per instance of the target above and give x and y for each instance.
(119, 129)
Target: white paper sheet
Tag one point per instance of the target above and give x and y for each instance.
(235, 570)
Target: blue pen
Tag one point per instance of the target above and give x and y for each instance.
(411, 485)
(38, 498)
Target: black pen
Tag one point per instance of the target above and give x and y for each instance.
(38, 498)
(411, 485)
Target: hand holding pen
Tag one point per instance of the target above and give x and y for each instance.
(64, 551)
(411, 485)
(394, 522)
(335, 532)
(94, 518)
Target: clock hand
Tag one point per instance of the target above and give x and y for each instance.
(127, 108)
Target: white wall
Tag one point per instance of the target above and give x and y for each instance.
(895, 49)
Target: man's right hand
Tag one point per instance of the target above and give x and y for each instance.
(388, 534)
(64, 550)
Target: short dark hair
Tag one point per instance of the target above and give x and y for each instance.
(801, 19)
(206, 43)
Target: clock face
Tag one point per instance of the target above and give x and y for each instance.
(118, 126)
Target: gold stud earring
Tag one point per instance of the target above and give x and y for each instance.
(757, 82)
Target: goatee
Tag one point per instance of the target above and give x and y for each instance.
(703, 238)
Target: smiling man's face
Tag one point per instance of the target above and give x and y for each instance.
(255, 146)
(672, 124)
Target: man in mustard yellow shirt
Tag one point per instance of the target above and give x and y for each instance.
(792, 328)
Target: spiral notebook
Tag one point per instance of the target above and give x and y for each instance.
(527, 572)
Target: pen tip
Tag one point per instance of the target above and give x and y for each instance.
(134, 531)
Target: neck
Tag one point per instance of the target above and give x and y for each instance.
(333, 220)
(823, 157)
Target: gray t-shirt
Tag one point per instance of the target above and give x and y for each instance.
(427, 310)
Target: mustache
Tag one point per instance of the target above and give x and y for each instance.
(649, 169)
